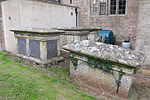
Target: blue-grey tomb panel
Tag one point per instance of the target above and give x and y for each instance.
(34, 46)
(51, 49)
(22, 46)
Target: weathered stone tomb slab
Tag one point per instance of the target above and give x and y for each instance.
(104, 66)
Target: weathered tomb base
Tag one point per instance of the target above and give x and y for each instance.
(37, 62)
(100, 80)
(105, 67)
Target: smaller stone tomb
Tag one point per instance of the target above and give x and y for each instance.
(74, 34)
(103, 66)
(39, 45)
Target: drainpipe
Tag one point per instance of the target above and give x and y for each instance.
(76, 11)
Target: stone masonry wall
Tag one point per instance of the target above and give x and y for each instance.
(143, 32)
(1, 30)
(84, 12)
(120, 24)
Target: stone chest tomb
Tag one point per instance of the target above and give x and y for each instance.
(105, 67)
(39, 45)
(74, 34)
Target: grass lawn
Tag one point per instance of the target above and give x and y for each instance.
(19, 82)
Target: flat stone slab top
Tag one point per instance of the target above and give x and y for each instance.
(80, 29)
(38, 31)
(113, 53)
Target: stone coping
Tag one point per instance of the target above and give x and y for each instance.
(80, 29)
(37, 31)
(76, 33)
(56, 3)
(113, 53)
(38, 37)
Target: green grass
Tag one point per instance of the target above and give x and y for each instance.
(19, 82)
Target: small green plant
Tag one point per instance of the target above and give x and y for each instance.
(74, 61)
(73, 41)
(101, 39)
(103, 64)
(121, 73)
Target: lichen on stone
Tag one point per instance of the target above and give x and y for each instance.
(113, 52)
